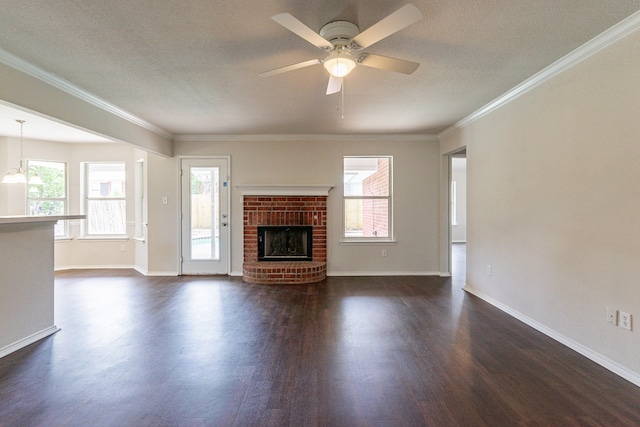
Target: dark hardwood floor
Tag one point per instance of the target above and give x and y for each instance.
(352, 351)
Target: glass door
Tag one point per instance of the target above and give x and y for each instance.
(205, 221)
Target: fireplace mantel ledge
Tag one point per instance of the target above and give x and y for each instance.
(284, 189)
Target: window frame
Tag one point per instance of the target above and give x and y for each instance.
(139, 184)
(389, 199)
(86, 199)
(61, 225)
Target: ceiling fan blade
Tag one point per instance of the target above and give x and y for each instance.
(388, 63)
(291, 67)
(295, 26)
(334, 86)
(401, 18)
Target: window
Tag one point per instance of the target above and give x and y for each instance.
(50, 197)
(105, 204)
(367, 197)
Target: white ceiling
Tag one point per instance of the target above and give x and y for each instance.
(41, 128)
(191, 67)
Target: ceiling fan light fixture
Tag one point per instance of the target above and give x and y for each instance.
(339, 64)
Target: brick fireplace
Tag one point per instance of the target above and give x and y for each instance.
(285, 206)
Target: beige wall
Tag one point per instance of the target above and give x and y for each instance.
(554, 204)
(163, 243)
(415, 176)
(256, 162)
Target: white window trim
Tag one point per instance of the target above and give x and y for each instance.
(139, 225)
(84, 234)
(65, 199)
(358, 240)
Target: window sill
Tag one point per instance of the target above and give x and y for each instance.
(139, 239)
(62, 239)
(367, 242)
(104, 238)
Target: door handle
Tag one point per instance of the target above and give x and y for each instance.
(224, 224)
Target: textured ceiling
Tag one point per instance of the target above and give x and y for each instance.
(191, 66)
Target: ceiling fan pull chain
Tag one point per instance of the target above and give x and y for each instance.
(342, 96)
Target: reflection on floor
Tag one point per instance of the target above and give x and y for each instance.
(347, 351)
(459, 264)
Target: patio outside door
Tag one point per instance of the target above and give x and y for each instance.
(205, 217)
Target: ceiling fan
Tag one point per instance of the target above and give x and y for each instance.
(345, 43)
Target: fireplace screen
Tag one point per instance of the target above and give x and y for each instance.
(285, 243)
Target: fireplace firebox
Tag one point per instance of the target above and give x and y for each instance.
(285, 243)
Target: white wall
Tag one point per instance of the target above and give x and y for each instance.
(76, 252)
(554, 205)
(26, 91)
(26, 287)
(4, 167)
(163, 244)
(416, 172)
(14, 195)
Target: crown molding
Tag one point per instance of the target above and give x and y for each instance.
(306, 137)
(601, 41)
(284, 189)
(68, 87)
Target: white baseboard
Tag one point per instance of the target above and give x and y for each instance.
(117, 267)
(383, 273)
(142, 271)
(239, 273)
(28, 340)
(161, 273)
(94, 267)
(601, 360)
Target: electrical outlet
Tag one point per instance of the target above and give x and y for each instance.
(625, 320)
(612, 316)
(489, 270)
(122, 248)
(384, 252)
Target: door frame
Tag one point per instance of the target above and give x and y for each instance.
(445, 210)
(227, 248)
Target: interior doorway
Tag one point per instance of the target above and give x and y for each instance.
(458, 217)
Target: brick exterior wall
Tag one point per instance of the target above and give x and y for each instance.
(284, 210)
(375, 213)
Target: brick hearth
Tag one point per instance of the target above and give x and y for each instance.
(285, 210)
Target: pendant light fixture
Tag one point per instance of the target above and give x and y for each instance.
(19, 175)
